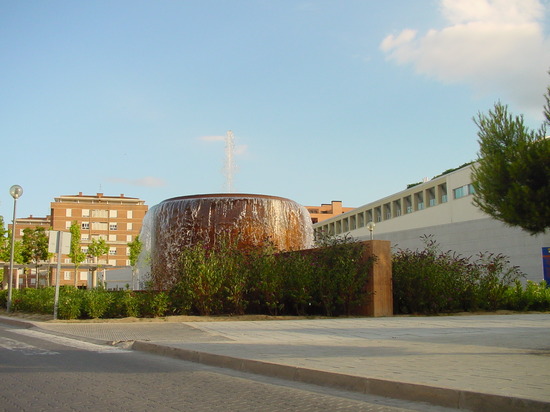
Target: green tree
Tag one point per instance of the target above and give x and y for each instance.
(97, 248)
(135, 247)
(4, 247)
(34, 248)
(511, 178)
(76, 254)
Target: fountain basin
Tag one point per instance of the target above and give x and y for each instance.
(248, 219)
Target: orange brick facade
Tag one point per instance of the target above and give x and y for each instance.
(326, 211)
(117, 219)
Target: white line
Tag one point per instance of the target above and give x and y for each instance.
(73, 343)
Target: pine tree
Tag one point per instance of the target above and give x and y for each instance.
(512, 176)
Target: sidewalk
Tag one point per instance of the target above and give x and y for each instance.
(480, 363)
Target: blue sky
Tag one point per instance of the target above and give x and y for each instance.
(328, 100)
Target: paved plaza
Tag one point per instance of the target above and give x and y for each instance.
(478, 362)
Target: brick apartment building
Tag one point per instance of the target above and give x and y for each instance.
(117, 219)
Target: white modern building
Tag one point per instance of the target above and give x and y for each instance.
(441, 207)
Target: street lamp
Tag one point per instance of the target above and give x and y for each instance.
(15, 191)
(371, 226)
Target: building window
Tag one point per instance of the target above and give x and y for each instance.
(99, 225)
(112, 251)
(113, 213)
(130, 226)
(83, 275)
(444, 198)
(353, 223)
(113, 226)
(432, 202)
(67, 224)
(112, 238)
(419, 199)
(463, 191)
(68, 212)
(85, 236)
(100, 213)
(66, 275)
(85, 212)
(85, 225)
(130, 214)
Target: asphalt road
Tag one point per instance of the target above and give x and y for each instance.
(45, 372)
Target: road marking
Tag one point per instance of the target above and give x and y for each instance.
(17, 346)
(73, 343)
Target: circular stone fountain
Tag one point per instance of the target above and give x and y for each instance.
(250, 220)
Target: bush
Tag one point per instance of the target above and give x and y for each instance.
(96, 302)
(201, 278)
(70, 302)
(33, 300)
(160, 304)
(125, 304)
(535, 296)
(429, 281)
(340, 273)
(265, 280)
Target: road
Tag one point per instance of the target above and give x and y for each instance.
(46, 372)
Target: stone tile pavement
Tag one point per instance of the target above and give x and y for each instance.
(485, 362)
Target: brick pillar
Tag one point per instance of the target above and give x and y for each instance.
(379, 284)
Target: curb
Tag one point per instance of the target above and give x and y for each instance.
(446, 397)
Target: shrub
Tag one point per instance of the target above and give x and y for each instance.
(201, 278)
(298, 281)
(340, 272)
(97, 302)
(160, 304)
(265, 280)
(429, 281)
(3, 298)
(535, 296)
(125, 303)
(70, 302)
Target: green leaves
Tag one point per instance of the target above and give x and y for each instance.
(98, 247)
(429, 281)
(512, 175)
(34, 245)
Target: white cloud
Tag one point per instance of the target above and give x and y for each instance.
(147, 181)
(498, 47)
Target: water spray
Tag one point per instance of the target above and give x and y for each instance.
(229, 160)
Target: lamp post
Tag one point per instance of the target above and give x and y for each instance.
(371, 226)
(15, 191)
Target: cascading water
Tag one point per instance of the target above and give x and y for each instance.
(250, 220)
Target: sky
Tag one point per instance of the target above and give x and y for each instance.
(327, 100)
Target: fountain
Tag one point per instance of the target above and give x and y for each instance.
(250, 220)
